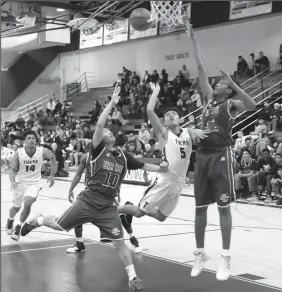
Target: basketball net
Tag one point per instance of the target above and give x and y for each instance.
(168, 11)
(82, 23)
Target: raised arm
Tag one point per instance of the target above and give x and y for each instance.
(158, 128)
(77, 176)
(14, 169)
(202, 71)
(98, 134)
(48, 154)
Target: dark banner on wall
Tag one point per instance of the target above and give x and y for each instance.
(242, 9)
(152, 31)
(186, 14)
(116, 32)
(90, 38)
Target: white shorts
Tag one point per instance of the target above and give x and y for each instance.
(162, 195)
(23, 190)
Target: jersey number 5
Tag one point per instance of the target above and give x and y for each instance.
(111, 180)
(30, 168)
(182, 152)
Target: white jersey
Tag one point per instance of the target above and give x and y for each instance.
(177, 151)
(30, 167)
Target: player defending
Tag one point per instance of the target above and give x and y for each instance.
(96, 204)
(214, 178)
(79, 246)
(26, 164)
(161, 198)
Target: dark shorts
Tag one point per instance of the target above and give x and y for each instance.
(214, 178)
(105, 218)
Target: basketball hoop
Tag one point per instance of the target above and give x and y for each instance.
(82, 23)
(168, 11)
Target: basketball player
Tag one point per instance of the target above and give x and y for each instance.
(25, 176)
(246, 175)
(79, 245)
(214, 179)
(161, 198)
(96, 204)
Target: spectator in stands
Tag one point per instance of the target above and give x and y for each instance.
(239, 143)
(132, 140)
(261, 128)
(144, 135)
(120, 139)
(185, 73)
(164, 77)
(126, 74)
(260, 145)
(148, 153)
(155, 77)
(135, 79)
(242, 67)
(276, 180)
(275, 116)
(262, 62)
(58, 107)
(146, 78)
(51, 106)
(245, 179)
(20, 122)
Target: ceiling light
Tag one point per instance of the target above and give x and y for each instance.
(60, 9)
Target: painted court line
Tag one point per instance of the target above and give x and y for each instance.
(92, 242)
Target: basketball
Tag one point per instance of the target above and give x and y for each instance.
(139, 19)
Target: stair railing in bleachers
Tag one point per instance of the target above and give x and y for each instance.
(24, 111)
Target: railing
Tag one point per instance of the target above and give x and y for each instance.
(261, 93)
(39, 103)
(257, 81)
(82, 84)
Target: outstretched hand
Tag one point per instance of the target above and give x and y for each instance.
(155, 87)
(226, 76)
(200, 134)
(189, 30)
(116, 97)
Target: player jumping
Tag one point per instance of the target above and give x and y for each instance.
(79, 246)
(162, 196)
(214, 178)
(25, 176)
(96, 204)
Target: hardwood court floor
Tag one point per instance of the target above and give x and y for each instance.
(168, 250)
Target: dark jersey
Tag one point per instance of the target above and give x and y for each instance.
(277, 171)
(266, 164)
(247, 167)
(105, 171)
(217, 119)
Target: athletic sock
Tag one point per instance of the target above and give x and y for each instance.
(79, 239)
(131, 272)
(21, 223)
(225, 252)
(11, 219)
(200, 250)
(40, 220)
(131, 235)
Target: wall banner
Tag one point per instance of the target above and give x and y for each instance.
(116, 32)
(242, 9)
(90, 38)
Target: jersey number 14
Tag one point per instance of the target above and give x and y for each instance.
(30, 168)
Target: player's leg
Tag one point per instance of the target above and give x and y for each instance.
(18, 194)
(79, 246)
(202, 198)
(30, 196)
(75, 215)
(223, 188)
(110, 226)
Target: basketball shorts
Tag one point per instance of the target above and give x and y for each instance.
(162, 194)
(105, 218)
(23, 190)
(214, 178)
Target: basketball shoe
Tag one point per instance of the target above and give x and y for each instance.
(223, 271)
(16, 233)
(200, 259)
(30, 225)
(135, 284)
(78, 247)
(9, 226)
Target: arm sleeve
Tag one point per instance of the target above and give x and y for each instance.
(132, 163)
(95, 152)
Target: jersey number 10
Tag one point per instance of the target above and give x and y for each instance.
(111, 180)
(30, 168)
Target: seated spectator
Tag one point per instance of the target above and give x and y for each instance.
(185, 73)
(164, 76)
(20, 122)
(245, 179)
(265, 114)
(264, 174)
(120, 139)
(144, 135)
(262, 62)
(276, 181)
(259, 145)
(132, 140)
(242, 67)
(148, 153)
(261, 128)
(135, 79)
(275, 116)
(147, 78)
(133, 150)
(192, 122)
(155, 77)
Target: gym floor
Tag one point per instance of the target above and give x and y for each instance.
(39, 262)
